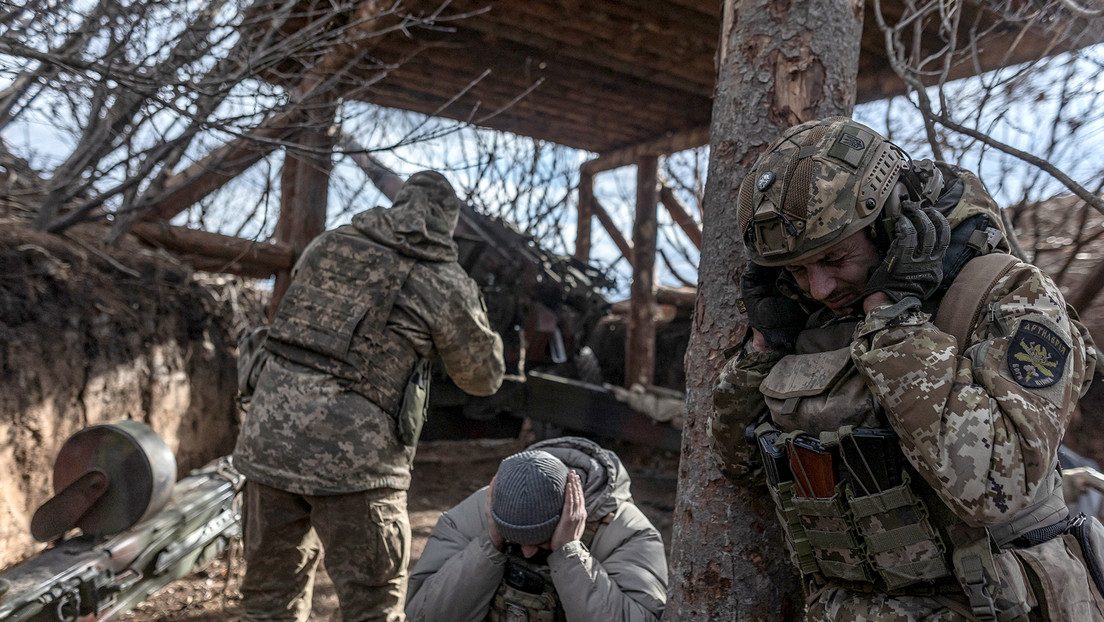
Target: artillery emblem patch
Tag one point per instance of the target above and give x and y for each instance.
(1037, 355)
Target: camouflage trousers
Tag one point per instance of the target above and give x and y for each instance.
(366, 539)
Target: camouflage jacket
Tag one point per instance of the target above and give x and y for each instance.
(981, 424)
(975, 425)
(306, 431)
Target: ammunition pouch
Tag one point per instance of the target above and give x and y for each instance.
(853, 514)
(415, 405)
(847, 522)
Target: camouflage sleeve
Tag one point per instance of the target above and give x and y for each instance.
(981, 426)
(737, 402)
(469, 347)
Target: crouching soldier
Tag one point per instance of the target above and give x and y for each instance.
(555, 537)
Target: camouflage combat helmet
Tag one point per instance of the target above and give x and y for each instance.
(818, 183)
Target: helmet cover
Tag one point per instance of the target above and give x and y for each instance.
(816, 184)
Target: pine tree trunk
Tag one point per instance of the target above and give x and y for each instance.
(780, 63)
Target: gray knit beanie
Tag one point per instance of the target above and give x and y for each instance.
(528, 497)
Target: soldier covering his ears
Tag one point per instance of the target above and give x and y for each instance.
(554, 538)
(907, 383)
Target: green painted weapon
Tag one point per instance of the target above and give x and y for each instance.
(138, 531)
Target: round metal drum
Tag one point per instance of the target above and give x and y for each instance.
(140, 467)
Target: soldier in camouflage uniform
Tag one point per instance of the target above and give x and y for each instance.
(908, 384)
(329, 438)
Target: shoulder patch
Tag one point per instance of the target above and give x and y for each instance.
(1037, 355)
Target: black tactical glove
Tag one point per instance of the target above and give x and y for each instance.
(779, 318)
(913, 265)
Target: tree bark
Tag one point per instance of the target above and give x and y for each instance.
(779, 63)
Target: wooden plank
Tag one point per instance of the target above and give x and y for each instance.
(578, 105)
(681, 215)
(654, 41)
(668, 143)
(640, 343)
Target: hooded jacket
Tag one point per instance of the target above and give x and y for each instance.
(311, 428)
(621, 577)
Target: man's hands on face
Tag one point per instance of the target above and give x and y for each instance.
(913, 265)
(774, 319)
(492, 528)
(573, 520)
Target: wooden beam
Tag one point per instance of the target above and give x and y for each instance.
(676, 141)
(618, 239)
(218, 248)
(239, 267)
(223, 164)
(640, 344)
(684, 298)
(382, 177)
(582, 221)
(304, 191)
(1087, 290)
(681, 215)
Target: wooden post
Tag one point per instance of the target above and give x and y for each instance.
(586, 211)
(640, 345)
(304, 190)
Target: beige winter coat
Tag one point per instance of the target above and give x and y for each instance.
(621, 578)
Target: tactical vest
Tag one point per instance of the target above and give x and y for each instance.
(852, 510)
(334, 316)
(526, 592)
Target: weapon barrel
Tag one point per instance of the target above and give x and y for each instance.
(84, 576)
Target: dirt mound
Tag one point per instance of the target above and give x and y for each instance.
(91, 334)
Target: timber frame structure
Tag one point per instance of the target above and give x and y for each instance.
(629, 80)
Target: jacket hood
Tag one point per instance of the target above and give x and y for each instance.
(420, 221)
(605, 481)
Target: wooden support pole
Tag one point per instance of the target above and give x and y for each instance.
(586, 212)
(304, 190)
(663, 145)
(618, 239)
(640, 344)
(681, 215)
